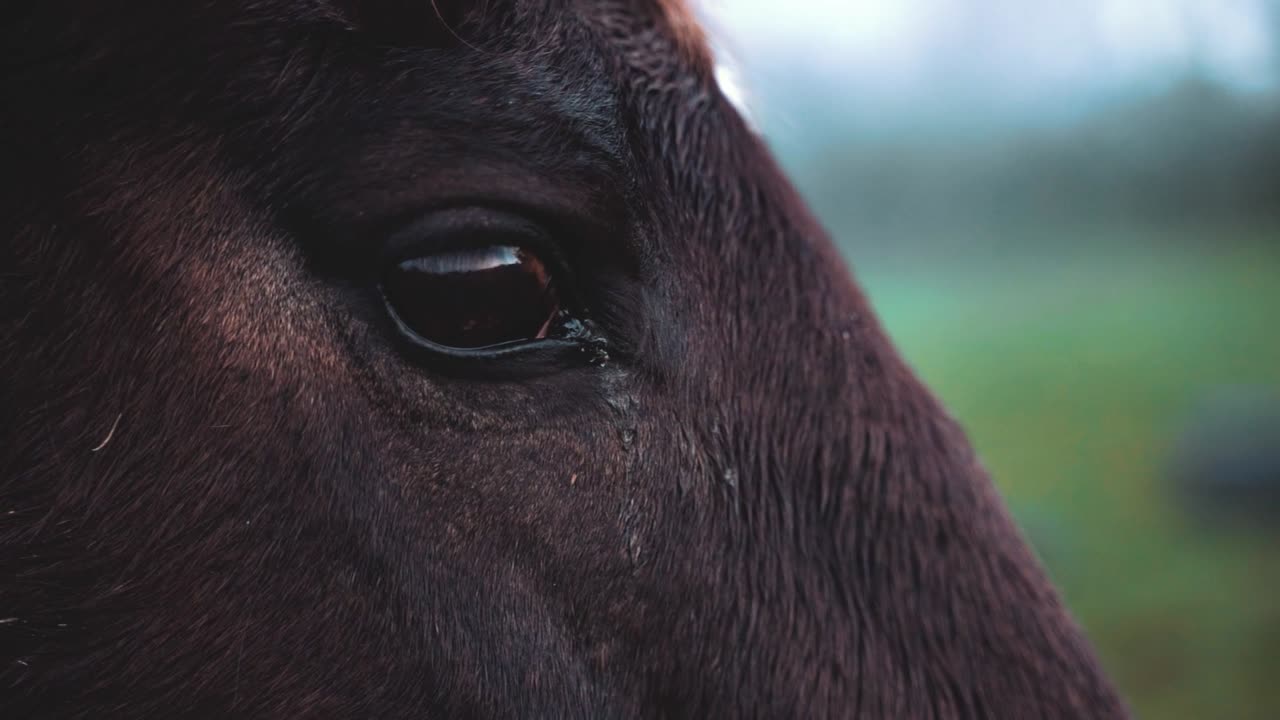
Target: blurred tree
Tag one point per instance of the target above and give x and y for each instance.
(1193, 153)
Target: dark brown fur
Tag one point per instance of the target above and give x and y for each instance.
(225, 493)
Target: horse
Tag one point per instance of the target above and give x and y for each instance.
(463, 358)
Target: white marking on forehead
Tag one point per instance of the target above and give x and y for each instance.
(728, 69)
(734, 89)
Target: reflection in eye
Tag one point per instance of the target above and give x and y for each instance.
(473, 298)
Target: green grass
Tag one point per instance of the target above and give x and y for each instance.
(1071, 375)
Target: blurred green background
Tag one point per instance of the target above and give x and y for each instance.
(1068, 217)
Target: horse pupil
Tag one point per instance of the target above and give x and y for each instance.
(473, 298)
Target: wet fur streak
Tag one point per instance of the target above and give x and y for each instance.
(224, 490)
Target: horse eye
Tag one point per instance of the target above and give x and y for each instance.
(471, 299)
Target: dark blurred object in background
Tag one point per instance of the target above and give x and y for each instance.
(1226, 463)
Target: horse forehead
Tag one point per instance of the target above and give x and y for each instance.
(686, 31)
(671, 28)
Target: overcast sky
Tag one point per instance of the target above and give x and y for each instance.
(1018, 46)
